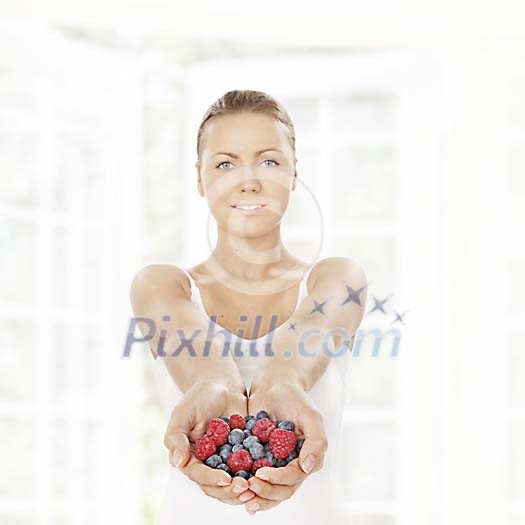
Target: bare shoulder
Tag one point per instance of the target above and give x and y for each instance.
(335, 269)
(159, 279)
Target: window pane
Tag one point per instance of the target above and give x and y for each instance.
(17, 436)
(364, 187)
(17, 91)
(370, 460)
(18, 161)
(372, 382)
(516, 169)
(59, 357)
(308, 169)
(516, 461)
(378, 257)
(17, 262)
(516, 107)
(364, 112)
(516, 369)
(18, 519)
(93, 356)
(61, 475)
(303, 112)
(61, 278)
(92, 270)
(516, 285)
(17, 360)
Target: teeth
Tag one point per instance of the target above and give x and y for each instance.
(248, 206)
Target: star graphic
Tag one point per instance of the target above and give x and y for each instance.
(318, 307)
(353, 295)
(399, 317)
(379, 305)
(292, 326)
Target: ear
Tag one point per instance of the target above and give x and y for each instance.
(199, 180)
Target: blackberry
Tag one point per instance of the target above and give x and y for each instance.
(287, 425)
(262, 414)
(225, 451)
(249, 441)
(236, 436)
(224, 467)
(293, 454)
(237, 447)
(256, 451)
(225, 418)
(213, 461)
(299, 444)
(250, 423)
(242, 474)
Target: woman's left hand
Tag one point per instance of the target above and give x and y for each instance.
(287, 402)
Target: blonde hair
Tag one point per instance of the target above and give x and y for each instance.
(240, 100)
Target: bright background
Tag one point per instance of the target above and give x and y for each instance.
(410, 122)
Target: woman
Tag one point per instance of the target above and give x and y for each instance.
(246, 169)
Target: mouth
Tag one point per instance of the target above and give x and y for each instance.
(250, 207)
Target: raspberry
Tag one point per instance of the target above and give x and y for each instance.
(204, 447)
(237, 421)
(240, 460)
(263, 428)
(282, 442)
(218, 431)
(258, 463)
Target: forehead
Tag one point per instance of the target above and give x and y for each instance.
(244, 132)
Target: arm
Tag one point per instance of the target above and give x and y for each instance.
(328, 282)
(159, 290)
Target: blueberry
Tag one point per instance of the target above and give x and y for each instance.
(281, 463)
(225, 418)
(247, 432)
(257, 451)
(286, 425)
(249, 441)
(261, 414)
(267, 446)
(250, 423)
(225, 451)
(242, 474)
(237, 447)
(248, 417)
(299, 444)
(236, 436)
(224, 467)
(213, 461)
(293, 454)
(270, 457)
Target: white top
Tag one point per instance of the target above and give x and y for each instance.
(320, 497)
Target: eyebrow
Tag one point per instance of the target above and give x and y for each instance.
(257, 153)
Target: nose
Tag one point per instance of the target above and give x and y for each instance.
(250, 186)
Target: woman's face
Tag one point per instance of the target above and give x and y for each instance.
(234, 169)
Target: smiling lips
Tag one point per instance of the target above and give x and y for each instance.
(249, 208)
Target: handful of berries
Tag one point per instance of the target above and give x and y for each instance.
(241, 445)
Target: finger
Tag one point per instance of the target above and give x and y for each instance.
(204, 475)
(289, 475)
(224, 494)
(176, 438)
(315, 444)
(259, 504)
(266, 490)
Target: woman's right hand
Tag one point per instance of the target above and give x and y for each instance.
(202, 402)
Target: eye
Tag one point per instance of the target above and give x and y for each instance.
(225, 162)
(270, 160)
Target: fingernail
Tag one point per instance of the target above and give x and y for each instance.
(237, 490)
(308, 464)
(223, 483)
(177, 457)
(245, 497)
(262, 476)
(253, 506)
